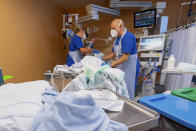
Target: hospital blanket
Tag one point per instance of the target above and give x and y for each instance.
(104, 98)
(81, 82)
(96, 75)
(19, 103)
(69, 112)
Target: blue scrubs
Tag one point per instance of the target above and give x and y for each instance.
(128, 43)
(75, 44)
(129, 46)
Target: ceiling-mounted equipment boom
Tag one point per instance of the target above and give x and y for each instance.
(128, 4)
(101, 9)
(88, 17)
(93, 13)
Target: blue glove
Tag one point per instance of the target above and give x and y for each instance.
(105, 64)
(95, 51)
(91, 45)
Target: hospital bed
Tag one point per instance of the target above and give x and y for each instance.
(28, 96)
(134, 115)
(21, 102)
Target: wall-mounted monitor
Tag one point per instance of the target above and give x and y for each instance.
(145, 18)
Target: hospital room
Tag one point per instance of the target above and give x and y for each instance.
(97, 65)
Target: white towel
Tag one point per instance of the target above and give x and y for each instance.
(104, 98)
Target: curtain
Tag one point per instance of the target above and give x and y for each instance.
(184, 50)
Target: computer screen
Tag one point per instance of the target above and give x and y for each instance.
(152, 43)
(145, 18)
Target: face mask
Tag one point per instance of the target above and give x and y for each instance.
(84, 37)
(114, 33)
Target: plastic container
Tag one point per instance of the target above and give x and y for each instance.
(1, 77)
(171, 62)
(147, 88)
(187, 93)
(175, 108)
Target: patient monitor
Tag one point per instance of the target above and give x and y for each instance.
(152, 43)
(152, 46)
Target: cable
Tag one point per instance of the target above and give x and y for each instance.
(179, 17)
(190, 11)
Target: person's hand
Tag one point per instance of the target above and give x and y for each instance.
(113, 65)
(90, 50)
(92, 40)
(91, 45)
(103, 58)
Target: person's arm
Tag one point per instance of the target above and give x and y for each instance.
(110, 56)
(85, 50)
(122, 59)
(80, 46)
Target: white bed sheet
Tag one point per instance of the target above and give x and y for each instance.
(19, 103)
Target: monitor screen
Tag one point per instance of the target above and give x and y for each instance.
(152, 43)
(145, 18)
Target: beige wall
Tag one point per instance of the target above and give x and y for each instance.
(30, 38)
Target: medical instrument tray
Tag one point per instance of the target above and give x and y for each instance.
(48, 75)
(136, 116)
(187, 93)
(175, 108)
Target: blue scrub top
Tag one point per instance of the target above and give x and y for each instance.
(75, 44)
(128, 43)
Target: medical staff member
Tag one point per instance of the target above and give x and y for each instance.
(76, 47)
(125, 51)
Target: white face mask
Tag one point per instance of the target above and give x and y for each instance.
(84, 37)
(114, 33)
